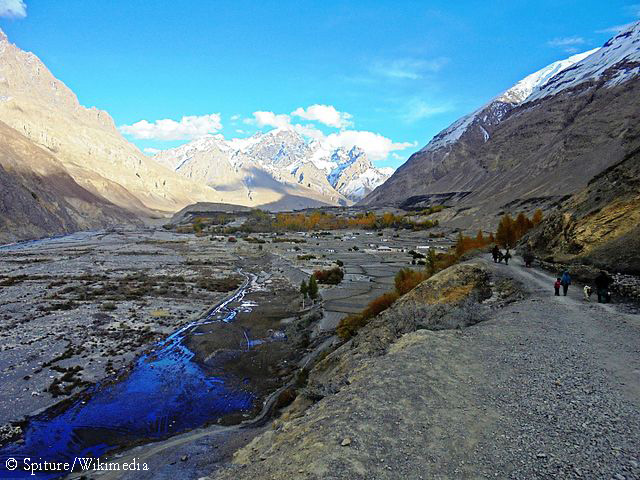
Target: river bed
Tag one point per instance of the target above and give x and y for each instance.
(164, 393)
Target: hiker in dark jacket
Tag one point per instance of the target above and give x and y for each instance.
(495, 252)
(602, 283)
(507, 256)
(565, 280)
(528, 258)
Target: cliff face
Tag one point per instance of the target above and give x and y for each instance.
(39, 198)
(599, 225)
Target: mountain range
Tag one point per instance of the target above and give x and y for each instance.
(535, 144)
(249, 168)
(65, 167)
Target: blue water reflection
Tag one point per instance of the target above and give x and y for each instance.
(165, 393)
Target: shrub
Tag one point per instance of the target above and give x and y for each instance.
(407, 279)
(380, 304)
(349, 325)
(332, 276)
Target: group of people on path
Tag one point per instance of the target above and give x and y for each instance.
(498, 256)
(602, 283)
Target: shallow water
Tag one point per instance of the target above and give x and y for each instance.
(165, 393)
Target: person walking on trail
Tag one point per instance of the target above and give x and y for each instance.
(565, 281)
(495, 252)
(507, 256)
(557, 285)
(528, 258)
(602, 283)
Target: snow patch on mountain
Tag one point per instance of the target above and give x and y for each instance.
(287, 157)
(499, 106)
(620, 56)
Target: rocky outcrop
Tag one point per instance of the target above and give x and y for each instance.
(447, 300)
(598, 226)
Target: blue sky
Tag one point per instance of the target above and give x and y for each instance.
(390, 74)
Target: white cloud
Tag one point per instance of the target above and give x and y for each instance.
(377, 147)
(309, 131)
(269, 119)
(407, 68)
(418, 109)
(566, 41)
(615, 28)
(151, 150)
(188, 128)
(13, 9)
(326, 114)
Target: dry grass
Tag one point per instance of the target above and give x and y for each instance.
(455, 294)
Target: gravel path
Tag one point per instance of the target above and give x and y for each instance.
(548, 387)
(566, 381)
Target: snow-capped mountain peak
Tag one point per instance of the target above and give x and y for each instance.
(493, 112)
(286, 156)
(525, 87)
(617, 61)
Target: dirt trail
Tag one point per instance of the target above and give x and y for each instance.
(547, 387)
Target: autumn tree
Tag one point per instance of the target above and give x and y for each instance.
(537, 217)
(522, 225)
(506, 232)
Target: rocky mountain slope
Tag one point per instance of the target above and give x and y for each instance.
(85, 140)
(248, 168)
(599, 225)
(541, 140)
(38, 197)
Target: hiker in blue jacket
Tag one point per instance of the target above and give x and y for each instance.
(565, 281)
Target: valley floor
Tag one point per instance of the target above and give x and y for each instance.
(548, 387)
(78, 308)
(545, 387)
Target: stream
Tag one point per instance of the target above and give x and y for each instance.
(163, 394)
